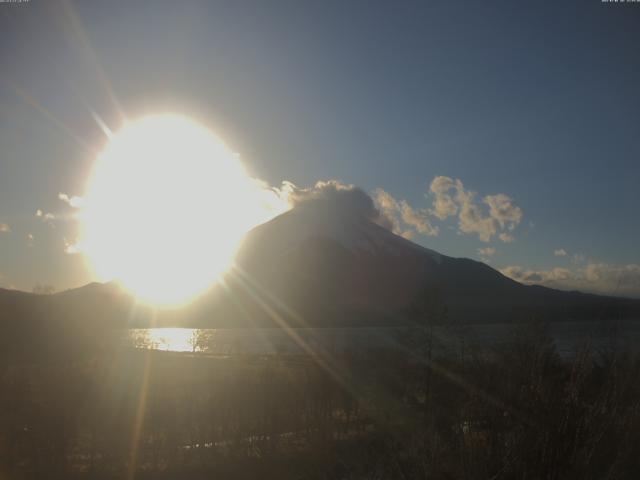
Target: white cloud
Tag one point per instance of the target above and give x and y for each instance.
(5, 228)
(471, 218)
(272, 200)
(408, 234)
(418, 219)
(72, 248)
(487, 251)
(336, 195)
(45, 217)
(540, 277)
(389, 208)
(443, 204)
(560, 252)
(601, 278)
(504, 210)
(486, 254)
(385, 201)
(506, 237)
(450, 198)
(73, 201)
(403, 219)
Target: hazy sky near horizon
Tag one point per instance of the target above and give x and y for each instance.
(537, 101)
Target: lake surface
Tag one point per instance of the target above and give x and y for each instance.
(568, 336)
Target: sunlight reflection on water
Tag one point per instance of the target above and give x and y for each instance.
(566, 335)
(169, 339)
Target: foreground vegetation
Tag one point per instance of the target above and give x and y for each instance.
(516, 411)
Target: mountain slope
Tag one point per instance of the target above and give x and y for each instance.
(340, 269)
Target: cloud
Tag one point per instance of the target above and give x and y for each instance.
(618, 278)
(486, 254)
(504, 210)
(5, 228)
(443, 204)
(401, 218)
(337, 196)
(73, 201)
(272, 201)
(72, 248)
(30, 239)
(601, 278)
(541, 277)
(389, 209)
(471, 218)
(51, 219)
(506, 237)
(45, 217)
(451, 198)
(417, 219)
(576, 258)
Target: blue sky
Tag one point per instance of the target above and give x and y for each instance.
(538, 101)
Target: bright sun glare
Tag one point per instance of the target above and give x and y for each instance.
(166, 207)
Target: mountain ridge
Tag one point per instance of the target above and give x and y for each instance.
(319, 266)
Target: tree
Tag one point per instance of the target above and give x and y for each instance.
(200, 340)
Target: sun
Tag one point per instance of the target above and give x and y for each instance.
(166, 207)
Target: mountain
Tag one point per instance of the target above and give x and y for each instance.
(323, 266)
(334, 267)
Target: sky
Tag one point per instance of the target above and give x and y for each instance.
(502, 131)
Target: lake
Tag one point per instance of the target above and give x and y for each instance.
(568, 336)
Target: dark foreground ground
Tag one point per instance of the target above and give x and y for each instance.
(517, 411)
